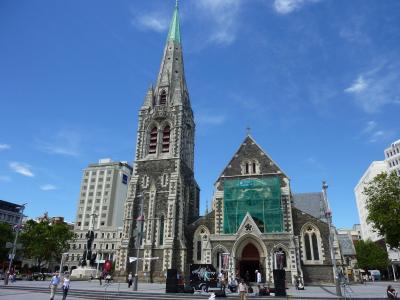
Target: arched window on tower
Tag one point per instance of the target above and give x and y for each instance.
(163, 97)
(166, 139)
(153, 140)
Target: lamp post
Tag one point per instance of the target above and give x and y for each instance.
(139, 225)
(328, 215)
(21, 210)
(62, 261)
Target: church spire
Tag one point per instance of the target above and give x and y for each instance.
(174, 33)
(171, 77)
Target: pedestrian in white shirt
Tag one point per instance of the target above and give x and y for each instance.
(65, 286)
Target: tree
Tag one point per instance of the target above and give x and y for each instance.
(383, 204)
(6, 235)
(371, 256)
(44, 242)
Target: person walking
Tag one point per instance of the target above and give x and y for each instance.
(65, 286)
(55, 281)
(247, 277)
(391, 292)
(207, 280)
(243, 290)
(258, 280)
(130, 278)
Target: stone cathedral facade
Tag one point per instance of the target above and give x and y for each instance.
(255, 215)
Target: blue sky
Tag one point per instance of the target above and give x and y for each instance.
(317, 82)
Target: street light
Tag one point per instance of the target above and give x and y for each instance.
(62, 261)
(21, 209)
(139, 223)
(328, 215)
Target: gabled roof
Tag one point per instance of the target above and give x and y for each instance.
(311, 203)
(249, 149)
(248, 225)
(346, 244)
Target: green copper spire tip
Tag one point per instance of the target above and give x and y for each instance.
(174, 33)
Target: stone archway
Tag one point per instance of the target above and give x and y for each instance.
(249, 262)
(249, 253)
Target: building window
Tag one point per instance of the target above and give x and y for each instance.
(307, 245)
(254, 168)
(198, 250)
(315, 246)
(312, 247)
(247, 168)
(166, 139)
(163, 97)
(161, 231)
(153, 140)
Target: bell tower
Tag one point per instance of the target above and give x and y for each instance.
(163, 196)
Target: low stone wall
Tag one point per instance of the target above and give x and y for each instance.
(317, 274)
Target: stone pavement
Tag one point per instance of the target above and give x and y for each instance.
(371, 290)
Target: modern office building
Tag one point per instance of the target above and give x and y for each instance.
(100, 208)
(374, 169)
(392, 157)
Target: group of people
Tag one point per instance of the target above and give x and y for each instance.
(246, 288)
(243, 285)
(55, 282)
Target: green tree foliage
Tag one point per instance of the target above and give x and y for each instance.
(44, 242)
(371, 256)
(383, 203)
(6, 235)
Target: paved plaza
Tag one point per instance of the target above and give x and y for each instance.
(34, 290)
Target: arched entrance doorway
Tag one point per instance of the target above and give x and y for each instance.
(249, 262)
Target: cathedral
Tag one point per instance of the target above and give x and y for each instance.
(256, 221)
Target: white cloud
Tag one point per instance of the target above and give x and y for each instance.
(371, 125)
(155, 21)
(208, 119)
(358, 86)
(287, 6)
(48, 187)
(315, 163)
(65, 142)
(380, 135)
(224, 15)
(372, 133)
(21, 168)
(5, 178)
(4, 147)
(377, 87)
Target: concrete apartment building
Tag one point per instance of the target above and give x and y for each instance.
(374, 169)
(389, 164)
(100, 207)
(392, 157)
(354, 232)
